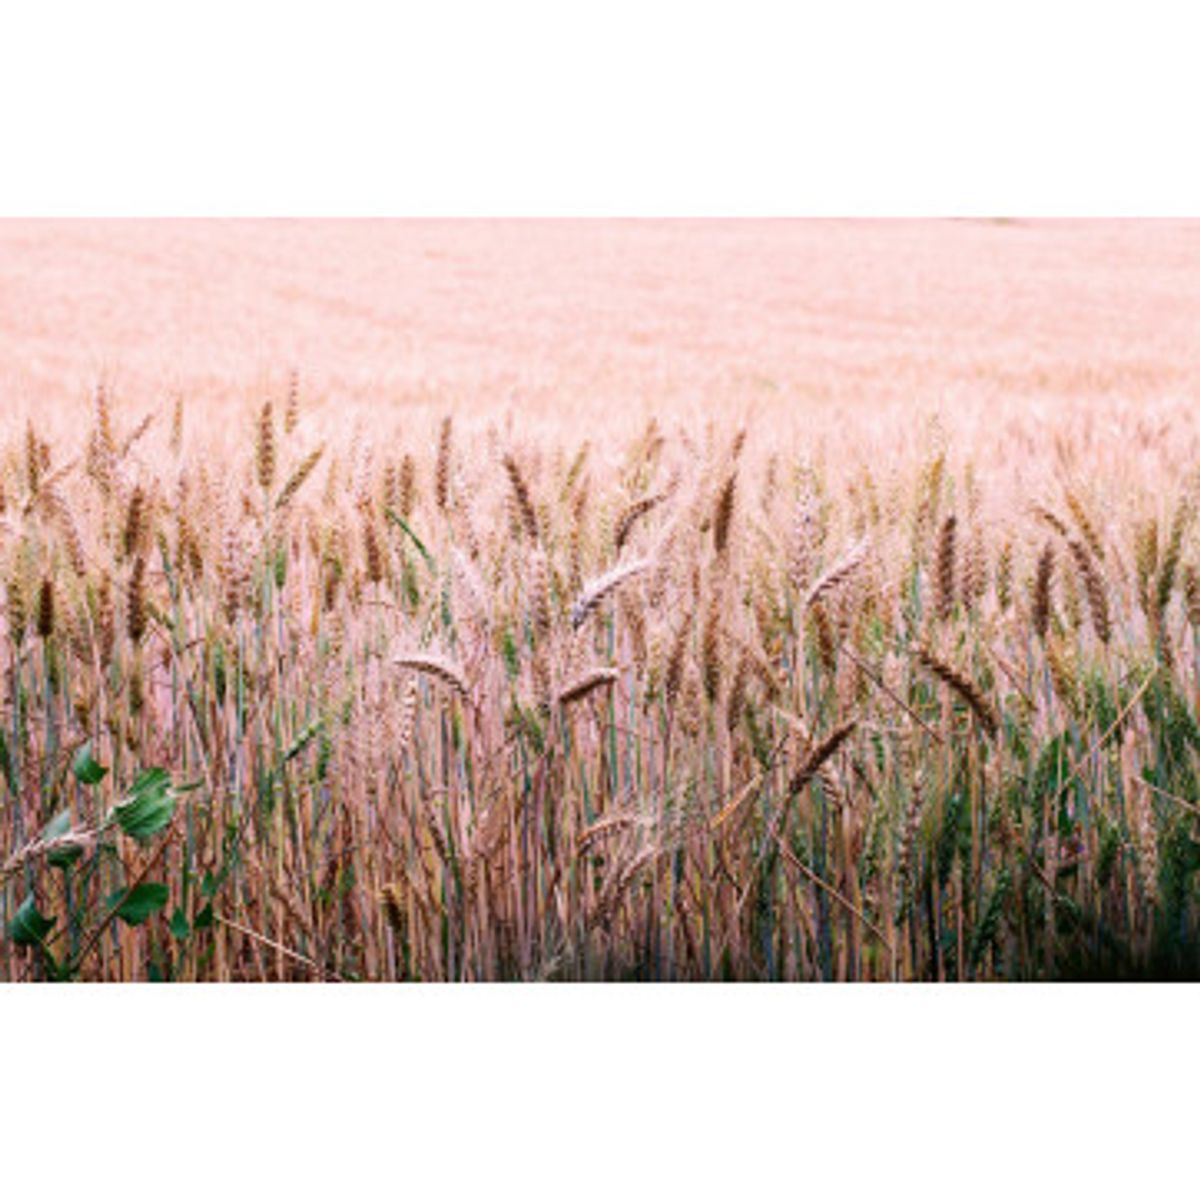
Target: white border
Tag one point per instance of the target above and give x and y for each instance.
(627, 108)
(545, 1090)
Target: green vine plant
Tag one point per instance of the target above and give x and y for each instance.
(134, 837)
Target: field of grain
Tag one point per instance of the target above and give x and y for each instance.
(662, 600)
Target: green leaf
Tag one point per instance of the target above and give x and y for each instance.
(59, 825)
(179, 925)
(208, 885)
(511, 654)
(409, 584)
(204, 918)
(416, 541)
(87, 770)
(324, 751)
(149, 806)
(29, 926)
(133, 907)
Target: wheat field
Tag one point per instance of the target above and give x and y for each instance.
(821, 603)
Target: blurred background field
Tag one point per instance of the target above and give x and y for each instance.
(591, 318)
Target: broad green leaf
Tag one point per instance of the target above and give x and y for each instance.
(59, 825)
(208, 885)
(179, 925)
(149, 806)
(133, 907)
(87, 770)
(29, 926)
(204, 918)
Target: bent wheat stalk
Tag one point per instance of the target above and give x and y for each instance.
(602, 677)
(75, 839)
(985, 714)
(819, 755)
(838, 573)
(596, 590)
(438, 668)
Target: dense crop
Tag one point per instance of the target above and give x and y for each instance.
(447, 701)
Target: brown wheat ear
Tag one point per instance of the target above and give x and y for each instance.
(442, 469)
(1094, 587)
(964, 686)
(135, 615)
(819, 755)
(631, 515)
(596, 590)
(723, 514)
(439, 668)
(264, 450)
(601, 677)
(944, 602)
(838, 573)
(1041, 591)
(521, 496)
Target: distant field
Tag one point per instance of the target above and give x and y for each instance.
(584, 316)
